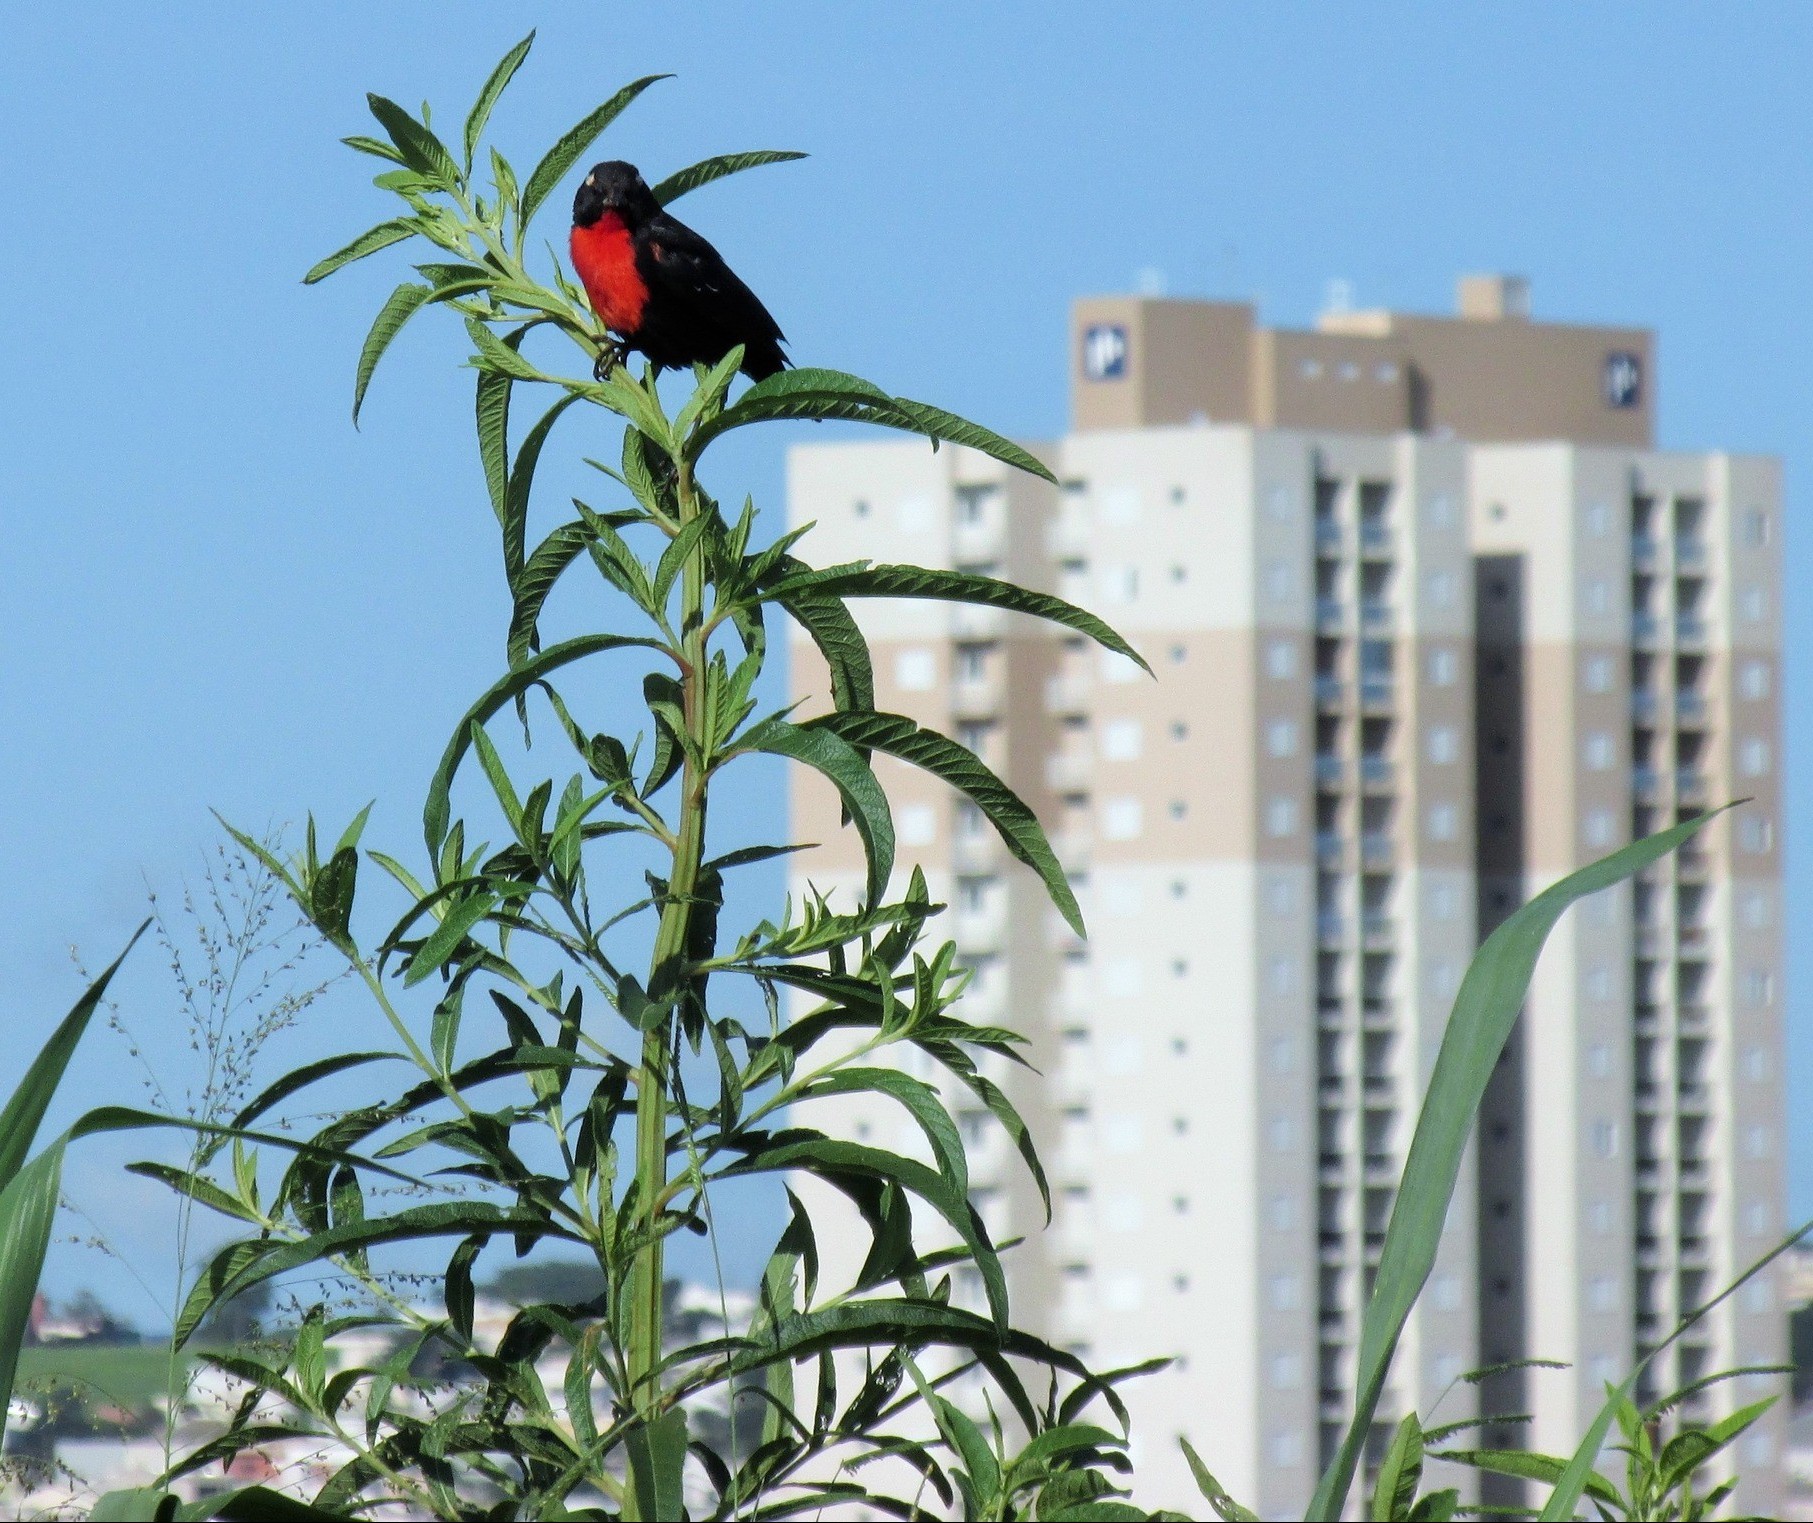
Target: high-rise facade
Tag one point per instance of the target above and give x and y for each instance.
(1432, 623)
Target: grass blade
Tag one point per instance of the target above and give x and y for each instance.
(1484, 1012)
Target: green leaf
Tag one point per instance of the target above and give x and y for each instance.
(840, 641)
(705, 171)
(810, 392)
(1485, 1010)
(1213, 1492)
(839, 761)
(862, 580)
(420, 148)
(437, 813)
(24, 1112)
(501, 355)
(536, 580)
(134, 1505)
(522, 480)
(1578, 1474)
(403, 303)
(565, 153)
(492, 407)
(657, 1456)
(447, 936)
(488, 96)
(960, 767)
(921, 1102)
(368, 242)
(1399, 1473)
(28, 1206)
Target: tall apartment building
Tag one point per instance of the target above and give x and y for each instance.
(1433, 623)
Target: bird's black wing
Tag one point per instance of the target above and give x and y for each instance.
(700, 306)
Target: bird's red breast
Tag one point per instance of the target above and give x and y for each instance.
(604, 256)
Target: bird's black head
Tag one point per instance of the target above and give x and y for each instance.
(613, 186)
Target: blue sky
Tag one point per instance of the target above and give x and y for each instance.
(215, 594)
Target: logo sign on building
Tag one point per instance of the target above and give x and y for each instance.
(1623, 379)
(1104, 352)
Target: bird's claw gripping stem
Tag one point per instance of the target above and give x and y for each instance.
(609, 358)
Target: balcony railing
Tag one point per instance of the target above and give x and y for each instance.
(1376, 849)
(1375, 618)
(1330, 928)
(1375, 693)
(1328, 536)
(1329, 770)
(1330, 616)
(1376, 539)
(1329, 692)
(1645, 705)
(1330, 848)
(1690, 708)
(1690, 785)
(1375, 773)
(1690, 630)
(1645, 630)
(1644, 549)
(1690, 553)
(1376, 930)
(1646, 783)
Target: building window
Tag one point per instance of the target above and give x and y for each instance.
(1756, 1064)
(1756, 834)
(1117, 669)
(1279, 1054)
(1280, 899)
(1599, 986)
(1444, 822)
(1756, 1141)
(1281, 660)
(1444, 744)
(1280, 817)
(1121, 740)
(1596, 674)
(1178, 809)
(1596, 595)
(862, 508)
(1279, 582)
(1440, 512)
(915, 670)
(1286, 1449)
(1755, 909)
(918, 825)
(1601, 1217)
(1282, 975)
(1444, 902)
(1598, 827)
(1753, 756)
(1444, 1292)
(1602, 1293)
(973, 661)
(1281, 1291)
(1281, 737)
(1598, 519)
(1605, 1138)
(1599, 751)
(1286, 1372)
(1759, 987)
(1444, 667)
(1599, 1059)
(1121, 819)
(1756, 528)
(1279, 1213)
(1753, 680)
(1441, 589)
(1757, 1219)
(1120, 584)
(1753, 604)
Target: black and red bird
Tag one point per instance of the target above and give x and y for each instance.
(660, 287)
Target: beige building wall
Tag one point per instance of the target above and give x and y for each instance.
(1651, 1146)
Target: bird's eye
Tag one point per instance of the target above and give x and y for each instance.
(592, 180)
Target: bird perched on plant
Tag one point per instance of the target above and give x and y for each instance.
(660, 287)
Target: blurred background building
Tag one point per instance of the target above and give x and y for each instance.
(1433, 623)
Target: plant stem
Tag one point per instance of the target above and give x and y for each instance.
(666, 976)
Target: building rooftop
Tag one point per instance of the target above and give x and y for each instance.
(1489, 373)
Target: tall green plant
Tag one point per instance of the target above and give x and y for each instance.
(532, 1089)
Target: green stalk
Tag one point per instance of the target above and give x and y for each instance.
(671, 941)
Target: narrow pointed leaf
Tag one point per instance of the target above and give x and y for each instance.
(536, 580)
(522, 481)
(402, 304)
(368, 242)
(488, 96)
(436, 815)
(24, 1112)
(957, 765)
(863, 797)
(28, 1206)
(566, 153)
(886, 581)
(706, 170)
(1485, 1010)
(420, 148)
(492, 414)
